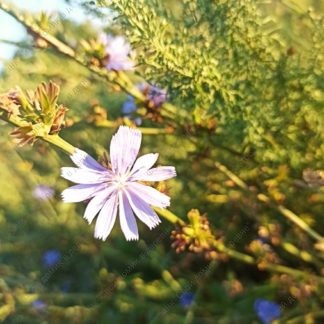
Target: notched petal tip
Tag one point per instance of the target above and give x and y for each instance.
(133, 238)
(155, 223)
(125, 132)
(100, 237)
(64, 196)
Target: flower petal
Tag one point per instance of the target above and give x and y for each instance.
(97, 203)
(148, 194)
(145, 162)
(81, 192)
(127, 218)
(85, 176)
(155, 174)
(142, 210)
(106, 218)
(85, 161)
(124, 148)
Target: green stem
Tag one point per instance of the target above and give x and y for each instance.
(234, 254)
(308, 318)
(265, 199)
(60, 142)
(302, 254)
(231, 175)
(291, 216)
(299, 222)
(169, 216)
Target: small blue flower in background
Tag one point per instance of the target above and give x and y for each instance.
(154, 96)
(43, 192)
(39, 305)
(186, 299)
(51, 258)
(266, 310)
(129, 106)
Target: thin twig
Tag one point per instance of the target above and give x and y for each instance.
(265, 199)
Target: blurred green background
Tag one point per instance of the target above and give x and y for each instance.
(53, 270)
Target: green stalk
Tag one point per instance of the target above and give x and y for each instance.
(234, 254)
(308, 318)
(265, 199)
(169, 216)
(60, 142)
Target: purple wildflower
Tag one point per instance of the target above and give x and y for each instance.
(117, 53)
(186, 299)
(154, 95)
(118, 186)
(43, 192)
(51, 258)
(266, 310)
(39, 305)
(157, 96)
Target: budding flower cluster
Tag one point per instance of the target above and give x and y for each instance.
(264, 253)
(36, 112)
(196, 236)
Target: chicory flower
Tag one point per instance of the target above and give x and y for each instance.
(118, 186)
(117, 53)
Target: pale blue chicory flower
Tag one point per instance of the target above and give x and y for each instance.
(118, 187)
(267, 310)
(117, 51)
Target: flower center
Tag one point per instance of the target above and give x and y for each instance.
(120, 180)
